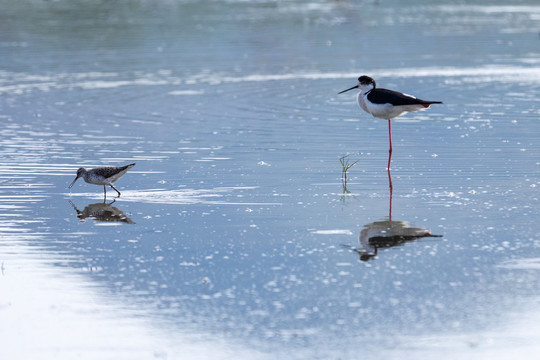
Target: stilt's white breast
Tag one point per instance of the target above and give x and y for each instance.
(385, 111)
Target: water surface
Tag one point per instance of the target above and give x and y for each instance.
(234, 236)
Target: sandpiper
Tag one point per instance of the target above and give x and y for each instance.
(103, 176)
(386, 104)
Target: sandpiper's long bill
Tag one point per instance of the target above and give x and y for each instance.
(102, 176)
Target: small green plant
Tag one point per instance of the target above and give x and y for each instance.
(345, 166)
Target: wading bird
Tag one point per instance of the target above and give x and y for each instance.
(103, 176)
(386, 104)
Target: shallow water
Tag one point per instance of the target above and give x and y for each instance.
(234, 236)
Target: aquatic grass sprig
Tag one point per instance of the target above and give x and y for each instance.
(345, 166)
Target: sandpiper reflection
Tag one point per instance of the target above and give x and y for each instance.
(102, 212)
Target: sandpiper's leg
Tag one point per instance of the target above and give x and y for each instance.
(104, 193)
(111, 185)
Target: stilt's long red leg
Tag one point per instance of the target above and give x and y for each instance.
(390, 139)
(391, 191)
(389, 176)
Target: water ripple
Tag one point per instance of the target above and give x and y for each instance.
(214, 196)
(23, 83)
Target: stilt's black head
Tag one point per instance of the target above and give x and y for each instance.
(366, 80)
(365, 83)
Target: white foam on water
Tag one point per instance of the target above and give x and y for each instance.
(333, 232)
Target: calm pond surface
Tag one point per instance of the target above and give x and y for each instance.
(235, 237)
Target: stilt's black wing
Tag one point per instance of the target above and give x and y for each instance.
(385, 96)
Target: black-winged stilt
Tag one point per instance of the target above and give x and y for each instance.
(386, 104)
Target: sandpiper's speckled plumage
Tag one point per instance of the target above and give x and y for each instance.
(103, 176)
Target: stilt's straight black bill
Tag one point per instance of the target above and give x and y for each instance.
(354, 87)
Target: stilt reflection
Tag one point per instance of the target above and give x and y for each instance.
(387, 233)
(102, 212)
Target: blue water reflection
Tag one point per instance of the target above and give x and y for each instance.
(234, 230)
(102, 211)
